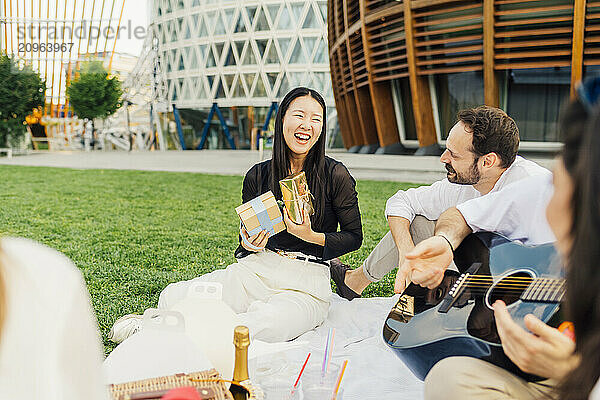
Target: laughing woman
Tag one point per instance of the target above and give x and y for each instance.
(280, 285)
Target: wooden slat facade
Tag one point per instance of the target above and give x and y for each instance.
(369, 47)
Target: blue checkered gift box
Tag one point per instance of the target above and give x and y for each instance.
(261, 213)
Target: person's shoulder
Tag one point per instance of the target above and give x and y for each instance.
(336, 169)
(528, 167)
(532, 182)
(262, 166)
(521, 168)
(329, 161)
(42, 262)
(529, 187)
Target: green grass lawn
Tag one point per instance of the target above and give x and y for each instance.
(133, 232)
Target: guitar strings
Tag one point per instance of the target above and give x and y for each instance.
(515, 281)
(526, 282)
(514, 278)
(481, 283)
(513, 289)
(514, 286)
(543, 289)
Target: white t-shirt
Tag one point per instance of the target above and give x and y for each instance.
(50, 345)
(518, 211)
(431, 201)
(595, 394)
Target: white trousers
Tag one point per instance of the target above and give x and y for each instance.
(276, 297)
(384, 257)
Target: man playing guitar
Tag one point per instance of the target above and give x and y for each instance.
(517, 212)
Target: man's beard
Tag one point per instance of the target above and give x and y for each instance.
(471, 177)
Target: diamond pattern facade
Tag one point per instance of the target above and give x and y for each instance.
(241, 53)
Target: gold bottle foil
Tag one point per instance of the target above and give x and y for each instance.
(241, 340)
(296, 196)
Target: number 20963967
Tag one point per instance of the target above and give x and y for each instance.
(45, 47)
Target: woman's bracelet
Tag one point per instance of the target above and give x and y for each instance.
(447, 240)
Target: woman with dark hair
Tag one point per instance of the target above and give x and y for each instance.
(280, 285)
(574, 215)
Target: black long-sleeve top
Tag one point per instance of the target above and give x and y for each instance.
(341, 208)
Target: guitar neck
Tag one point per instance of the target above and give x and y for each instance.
(545, 290)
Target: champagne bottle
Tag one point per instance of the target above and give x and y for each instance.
(241, 340)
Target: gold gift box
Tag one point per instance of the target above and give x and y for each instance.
(261, 213)
(296, 196)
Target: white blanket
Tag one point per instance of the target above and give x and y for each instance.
(373, 371)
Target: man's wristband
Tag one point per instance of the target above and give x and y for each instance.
(447, 240)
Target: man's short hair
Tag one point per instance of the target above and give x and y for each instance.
(493, 132)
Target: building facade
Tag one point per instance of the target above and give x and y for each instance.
(402, 69)
(240, 54)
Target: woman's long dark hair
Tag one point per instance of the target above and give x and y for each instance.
(314, 164)
(581, 154)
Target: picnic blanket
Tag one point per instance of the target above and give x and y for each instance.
(373, 371)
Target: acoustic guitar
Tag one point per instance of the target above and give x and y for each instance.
(457, 319)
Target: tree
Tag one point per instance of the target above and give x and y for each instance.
(21, 91)
(93, 94)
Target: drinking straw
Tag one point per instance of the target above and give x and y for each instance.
(300, 374)
(339, 381)
(328, 351)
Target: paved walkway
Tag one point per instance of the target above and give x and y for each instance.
(237, 162)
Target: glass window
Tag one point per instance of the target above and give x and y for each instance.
(249, 79)
(285, 21)
(310, 21)
(211, 59)
(309, 45)
(321, 55)
(261, 44)
(261, 21)
(260, 90)
(220, 28)
(404, 98)
(273, 9)
(297, 56)
(238, 90)
(591, 70)
(272, 57)
(240, 25)
(455, 92)
(249, 58)
(229, 58)
(534, 99)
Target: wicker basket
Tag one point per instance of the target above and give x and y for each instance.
(208, 383)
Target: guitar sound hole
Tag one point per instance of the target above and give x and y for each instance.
(510, 288)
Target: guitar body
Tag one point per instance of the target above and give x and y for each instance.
(468, 328)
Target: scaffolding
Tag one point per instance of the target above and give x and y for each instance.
(140, 120)
(53, 38)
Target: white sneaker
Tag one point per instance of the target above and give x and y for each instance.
(124, 327)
